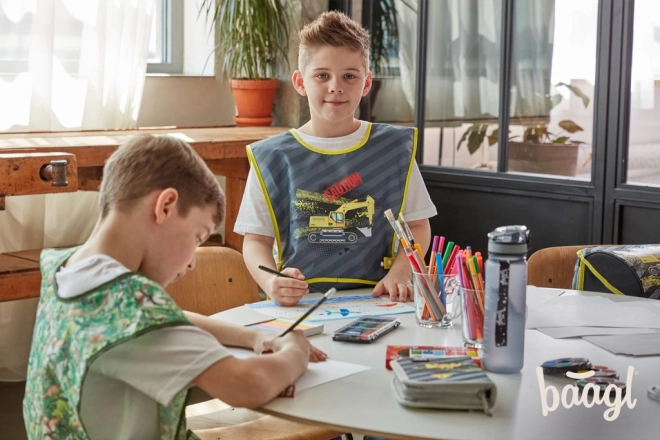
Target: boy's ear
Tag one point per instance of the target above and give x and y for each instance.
(297, 80)
(367, 84)
(166, 205)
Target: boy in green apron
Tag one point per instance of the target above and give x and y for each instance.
(112, 355)
(318, 193)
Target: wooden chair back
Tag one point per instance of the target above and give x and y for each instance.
(553, 267)
(219, 281)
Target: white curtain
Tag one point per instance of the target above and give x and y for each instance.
(463, 53)
(64, 65)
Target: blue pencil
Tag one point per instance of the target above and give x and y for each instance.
(441, 278)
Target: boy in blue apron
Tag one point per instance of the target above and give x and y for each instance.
(112, 355)
(317, 194)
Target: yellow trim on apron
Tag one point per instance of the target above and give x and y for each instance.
(333, 153)
(341, 280)
(254, 165)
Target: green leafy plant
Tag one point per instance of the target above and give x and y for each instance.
(252, 36)
(536, 130)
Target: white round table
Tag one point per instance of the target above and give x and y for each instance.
(365, 402)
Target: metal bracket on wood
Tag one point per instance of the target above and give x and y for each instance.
(55, 172)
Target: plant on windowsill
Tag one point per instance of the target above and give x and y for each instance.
(540, 150)
(252, 41)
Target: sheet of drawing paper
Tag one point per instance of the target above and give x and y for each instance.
(338, 307)
(590, 311)
(317, 373)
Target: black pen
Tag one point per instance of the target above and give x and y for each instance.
(327, 295)
(279, 274)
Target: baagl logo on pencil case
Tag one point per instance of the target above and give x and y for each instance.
(588, 391)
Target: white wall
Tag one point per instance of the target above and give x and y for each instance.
(196, 98)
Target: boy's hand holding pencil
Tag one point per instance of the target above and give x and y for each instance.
(288, 286)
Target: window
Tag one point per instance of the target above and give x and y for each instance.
(166, 40)
(644, 138)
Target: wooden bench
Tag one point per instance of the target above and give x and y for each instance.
(24, 156)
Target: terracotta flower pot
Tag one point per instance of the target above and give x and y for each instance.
(254, 101)
(558, 159)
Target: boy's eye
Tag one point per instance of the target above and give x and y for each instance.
(349, 76)
(322, 76)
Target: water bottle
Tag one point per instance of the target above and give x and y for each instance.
(506, 287)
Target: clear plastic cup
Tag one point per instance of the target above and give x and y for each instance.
(472, 307)
(426, 287)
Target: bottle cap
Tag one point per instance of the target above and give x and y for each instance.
(511, 240)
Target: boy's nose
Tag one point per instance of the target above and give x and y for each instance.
(335, 87)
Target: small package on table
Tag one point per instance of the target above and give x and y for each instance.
(446, 383)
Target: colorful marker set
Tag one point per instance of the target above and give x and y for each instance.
(434, 305)
(470, 275)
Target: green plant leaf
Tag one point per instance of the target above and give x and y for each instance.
(576, 91)
(492, 139)
(570, 126)
(476, 138)
(252, 35)
(560, 140)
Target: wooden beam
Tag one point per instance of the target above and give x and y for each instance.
(89, 178)
(234, 188)
(21, 173)
(20, 278)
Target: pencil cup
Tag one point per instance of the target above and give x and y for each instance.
(436, 302)
(472, 306)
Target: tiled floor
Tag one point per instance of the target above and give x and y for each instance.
(11, 411)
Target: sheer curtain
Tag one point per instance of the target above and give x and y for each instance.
(462, 57)
(64, 65)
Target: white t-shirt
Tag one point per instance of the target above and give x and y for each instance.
(254, 217)
(124, 384)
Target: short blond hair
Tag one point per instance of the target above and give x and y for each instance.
(147, 163)
(333, 29)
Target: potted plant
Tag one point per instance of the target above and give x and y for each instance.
(540, 150)
(252, 41)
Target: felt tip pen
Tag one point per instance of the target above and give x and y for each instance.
(327, 295)
(280, 274)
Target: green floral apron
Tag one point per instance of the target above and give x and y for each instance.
(71, 332)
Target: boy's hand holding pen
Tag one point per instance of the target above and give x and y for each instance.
(288, 286)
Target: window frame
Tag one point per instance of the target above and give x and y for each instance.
(171, 38)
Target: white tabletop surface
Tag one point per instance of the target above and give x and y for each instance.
(365, 402)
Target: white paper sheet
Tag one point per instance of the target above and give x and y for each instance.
(632, 345)
(317, 373)
(338, 307)
(537, 296)
(590, 311)
(242, 316)
(574, 332)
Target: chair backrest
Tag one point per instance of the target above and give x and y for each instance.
(219, 281)
(553, 267)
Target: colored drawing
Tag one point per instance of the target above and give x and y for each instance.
(338, 307)
(342, 312)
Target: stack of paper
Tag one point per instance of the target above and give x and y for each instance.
(629, 327)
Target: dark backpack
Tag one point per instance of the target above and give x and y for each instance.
(632, 270)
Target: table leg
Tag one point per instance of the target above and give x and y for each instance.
(235, 186)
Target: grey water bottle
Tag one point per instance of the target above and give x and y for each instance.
(506, 287)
